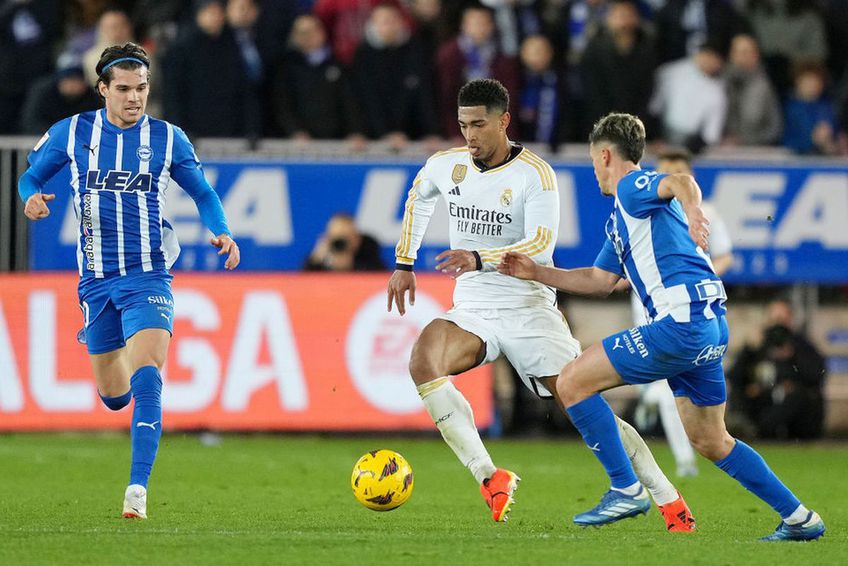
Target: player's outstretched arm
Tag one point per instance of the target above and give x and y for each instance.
(186, 170)
(688, 193)
(586, 281)
(400, 282)
(226, 245)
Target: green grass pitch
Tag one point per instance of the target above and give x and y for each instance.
(287, 500)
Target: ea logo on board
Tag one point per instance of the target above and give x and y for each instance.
(378, 348)
(144, 152)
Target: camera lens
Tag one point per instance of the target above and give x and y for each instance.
(338, 244)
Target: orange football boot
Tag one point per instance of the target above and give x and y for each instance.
(678, 517)
(498, 491)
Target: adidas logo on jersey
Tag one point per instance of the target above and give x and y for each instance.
(454, 191)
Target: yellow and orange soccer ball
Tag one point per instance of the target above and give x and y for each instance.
(382, 480)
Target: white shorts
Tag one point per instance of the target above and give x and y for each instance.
(535, 340)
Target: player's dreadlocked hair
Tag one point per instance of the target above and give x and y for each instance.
(128, 56)
(624, 131)
(484, 92)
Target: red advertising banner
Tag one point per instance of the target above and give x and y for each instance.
(249, 352)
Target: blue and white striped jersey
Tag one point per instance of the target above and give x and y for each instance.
(648, 242)
(119, 179)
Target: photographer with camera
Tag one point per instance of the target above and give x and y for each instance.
(778, 382)
(342, 247)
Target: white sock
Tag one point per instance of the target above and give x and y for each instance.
(631, 490)
(455, 420)
(646, 468)
(684, 454)
(797, 516)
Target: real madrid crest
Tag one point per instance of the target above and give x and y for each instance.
(506, 197)
(458, 174)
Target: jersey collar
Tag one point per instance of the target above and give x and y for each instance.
(110, 127)
(514, 151)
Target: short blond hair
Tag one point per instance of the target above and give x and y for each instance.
(624, 131)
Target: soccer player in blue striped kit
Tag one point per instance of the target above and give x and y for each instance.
(121, 162)
(657, 239)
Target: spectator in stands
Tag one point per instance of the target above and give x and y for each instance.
(313, 97)
(113, 28)
(243, 17)
(810, 120)
(579, 21)
(274, 26)
(841, 108)
(778, 380)
(754, 114)
(160, 22)
(392, 81)
(682, 26)
(81, 19)
(835, 17)
(790, 32)
(345, 22)
(58, 96)
(28, 31)
(431, 26)
(342, 247)
(618, 65)
(542, 96)
(690, 99)
(206, 84)
(473, 54)
(515, 20)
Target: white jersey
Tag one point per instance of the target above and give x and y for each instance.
(511, 207)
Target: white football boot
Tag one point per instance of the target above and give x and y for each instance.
(135, 502)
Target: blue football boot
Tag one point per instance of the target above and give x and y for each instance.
(810, 529)
(613, 507)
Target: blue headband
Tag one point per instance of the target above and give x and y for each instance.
(133, 59)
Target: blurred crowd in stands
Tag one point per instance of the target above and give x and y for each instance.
(700, 72)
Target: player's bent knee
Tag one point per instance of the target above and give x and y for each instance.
(424, 363)
(567, 389)
(421, 368)
(563, 392)
(713, 446)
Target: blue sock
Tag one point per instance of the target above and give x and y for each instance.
(747, 467)
(596, 422)
(146, 387)
(117, 403)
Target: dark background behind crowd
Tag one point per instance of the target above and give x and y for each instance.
(700, 72)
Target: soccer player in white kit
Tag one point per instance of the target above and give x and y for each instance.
(658, 394)
(501, 197)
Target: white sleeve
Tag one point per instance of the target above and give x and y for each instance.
(657, 104)
(719, 239)
(714, 124)
(541, 222)
(420, 203)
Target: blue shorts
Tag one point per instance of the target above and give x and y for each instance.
(115, 308)
(688, 355)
